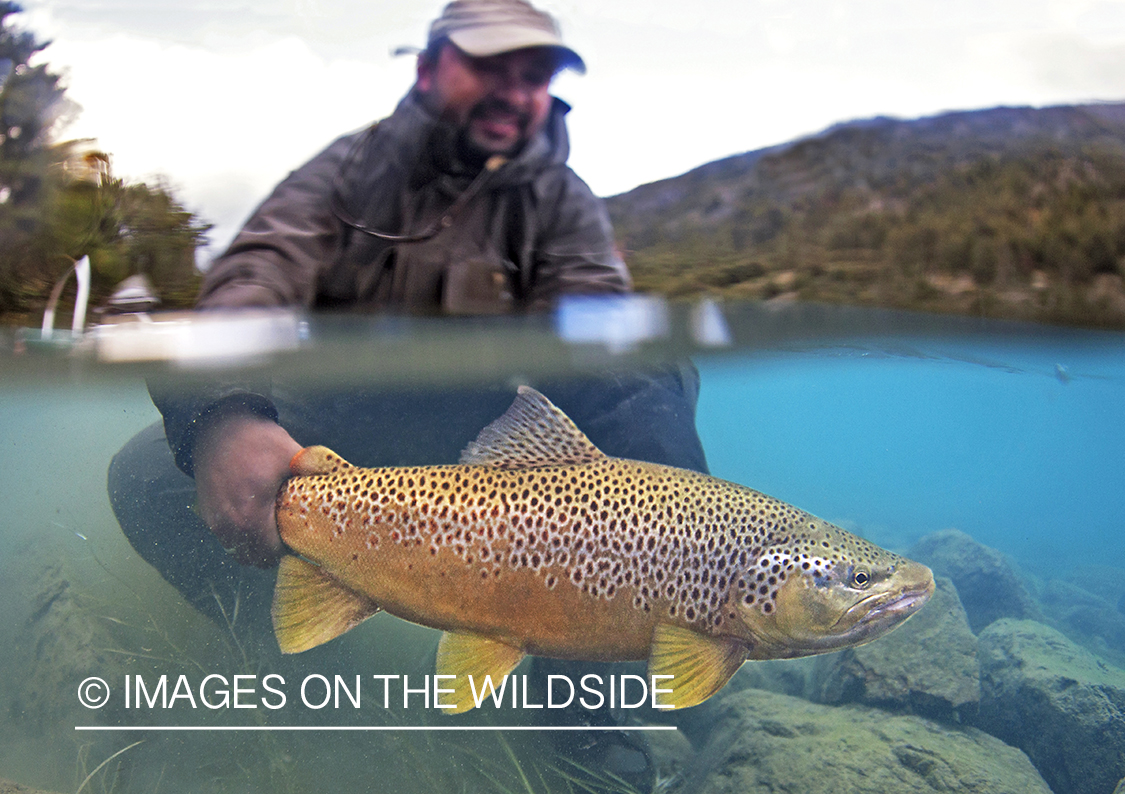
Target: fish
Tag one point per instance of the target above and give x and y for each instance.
(538, 543)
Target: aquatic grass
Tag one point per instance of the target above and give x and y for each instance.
(156, 643)
(231, 621)
(102, 765)
(515, 763)
(264, 760)
(579, 779)
(416, 751)
(173, 652)
(594, 782)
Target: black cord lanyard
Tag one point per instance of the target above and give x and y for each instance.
(491, 166)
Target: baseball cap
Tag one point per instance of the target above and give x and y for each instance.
(482, 28)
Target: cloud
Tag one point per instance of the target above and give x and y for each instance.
(206, 119)
(331, 28)
(1070, 66)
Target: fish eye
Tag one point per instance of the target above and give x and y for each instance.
(860, 579)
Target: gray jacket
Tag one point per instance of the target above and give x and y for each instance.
(533, 232)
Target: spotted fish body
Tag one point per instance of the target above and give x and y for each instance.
(537, 543)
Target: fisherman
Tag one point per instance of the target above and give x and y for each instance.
(460, 202)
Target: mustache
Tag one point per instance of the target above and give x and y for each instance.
(495, 105)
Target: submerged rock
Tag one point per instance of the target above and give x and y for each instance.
(61, 642)
(986, 582)
(928, 666)
(1057, 702)
(1100, 628)
(764, 742)
(793, 677)
(1105, 581)
(671, 753)
(1059, 595)
(1085, 607)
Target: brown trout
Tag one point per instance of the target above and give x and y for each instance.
(538, 543)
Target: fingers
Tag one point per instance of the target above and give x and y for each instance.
(241, 462)
(247, 529)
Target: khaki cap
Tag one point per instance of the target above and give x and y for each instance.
(489, 27)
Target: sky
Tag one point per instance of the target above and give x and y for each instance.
(222, 98)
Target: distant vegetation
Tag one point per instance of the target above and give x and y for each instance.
(59, 200)
(1009, 212)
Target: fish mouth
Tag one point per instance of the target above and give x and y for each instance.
(869, 618)
(888, 608)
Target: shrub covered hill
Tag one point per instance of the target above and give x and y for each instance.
(1007, 212)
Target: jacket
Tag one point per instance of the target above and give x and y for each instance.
(534, 231)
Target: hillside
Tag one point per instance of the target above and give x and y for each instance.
(1007, 212)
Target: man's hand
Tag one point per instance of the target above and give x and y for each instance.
(240, 463)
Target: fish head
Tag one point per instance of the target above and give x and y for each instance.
(822, 589)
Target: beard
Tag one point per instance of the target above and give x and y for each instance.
(476, 146)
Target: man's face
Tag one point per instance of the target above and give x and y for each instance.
(498, 102)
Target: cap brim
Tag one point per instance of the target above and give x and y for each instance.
(486, 41)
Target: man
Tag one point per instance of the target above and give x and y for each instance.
(459, 203)
(469, 173)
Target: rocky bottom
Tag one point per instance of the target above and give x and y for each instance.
(1003, 683)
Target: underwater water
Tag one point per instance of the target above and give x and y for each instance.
(892, 425)
(1017, 441)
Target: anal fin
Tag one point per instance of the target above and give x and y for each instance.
(701, 664)
(310, 607)
(465, 655)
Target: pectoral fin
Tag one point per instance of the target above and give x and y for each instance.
(701, 664)
(310, 607)
(465, 655)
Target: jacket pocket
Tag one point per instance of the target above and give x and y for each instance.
(477, 286)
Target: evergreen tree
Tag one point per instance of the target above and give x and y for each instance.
(59, 201)
(31, 102)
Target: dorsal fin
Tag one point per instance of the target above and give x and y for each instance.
(531, 434)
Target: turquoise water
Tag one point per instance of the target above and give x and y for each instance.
(891, 425)
(1018, 441)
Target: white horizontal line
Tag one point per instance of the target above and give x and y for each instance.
(373, 728)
